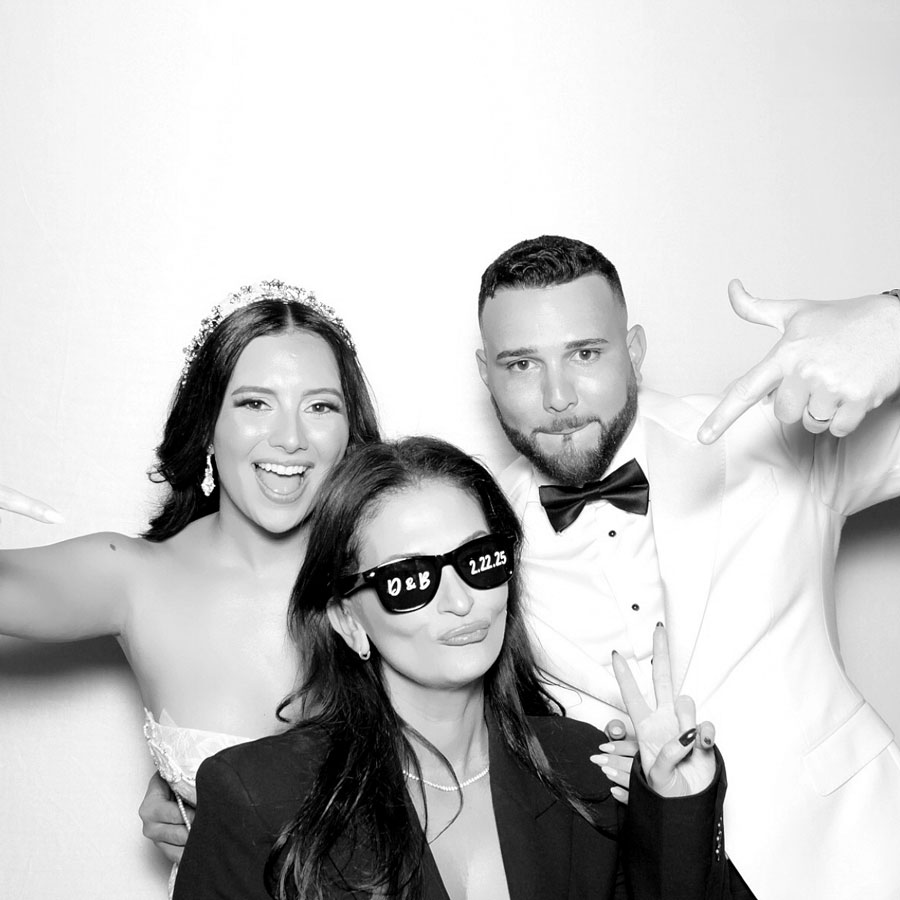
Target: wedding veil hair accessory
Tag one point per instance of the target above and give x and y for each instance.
(264, 290)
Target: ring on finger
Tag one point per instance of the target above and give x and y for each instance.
(817, 419)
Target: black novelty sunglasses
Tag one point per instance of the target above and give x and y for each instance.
(405, 585)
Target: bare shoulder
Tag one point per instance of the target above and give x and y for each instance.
(79, 588)
(103, 550)
(192, 537)
(128, 557)
(108, 560)
(175, 568)
(104, 542)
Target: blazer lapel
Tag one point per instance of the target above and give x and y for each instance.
(519, 800)
(433, 883)
(687, 483)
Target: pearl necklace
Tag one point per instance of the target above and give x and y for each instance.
(451, 787)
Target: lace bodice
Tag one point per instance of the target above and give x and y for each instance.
(178, 752)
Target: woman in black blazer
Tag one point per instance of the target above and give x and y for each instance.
(427, 760)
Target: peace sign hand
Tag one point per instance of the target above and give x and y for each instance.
(676, 755)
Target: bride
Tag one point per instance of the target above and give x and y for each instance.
(270, 398)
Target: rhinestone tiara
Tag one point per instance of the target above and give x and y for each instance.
(252, 293)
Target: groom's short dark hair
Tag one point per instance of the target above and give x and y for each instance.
(543, 262)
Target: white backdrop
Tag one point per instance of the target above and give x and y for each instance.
(154, 157)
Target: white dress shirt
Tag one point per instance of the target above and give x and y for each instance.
(603, 567)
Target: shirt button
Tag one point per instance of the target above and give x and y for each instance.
(635, 607)
(612, 534)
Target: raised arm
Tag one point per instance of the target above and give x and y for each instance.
(673, 842)
(67, 591)
(676, 754)
(834, 362)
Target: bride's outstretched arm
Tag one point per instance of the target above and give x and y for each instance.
(66, 591)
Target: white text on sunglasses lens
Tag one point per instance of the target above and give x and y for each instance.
(482, 563)
(454, 639)
(395, 586)
(489, 561)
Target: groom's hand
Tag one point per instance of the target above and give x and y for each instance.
(834, 363)
(162, 819)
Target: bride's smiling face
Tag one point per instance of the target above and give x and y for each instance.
(282, 426)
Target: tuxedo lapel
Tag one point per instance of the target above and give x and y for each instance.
(687, 482)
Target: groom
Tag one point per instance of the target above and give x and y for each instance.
(732, 544)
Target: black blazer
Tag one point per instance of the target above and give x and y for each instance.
(668, 848)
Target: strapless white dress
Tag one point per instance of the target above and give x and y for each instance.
(177, 753)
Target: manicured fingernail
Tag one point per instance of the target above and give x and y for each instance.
(609, 772)
(607, 748)
(688, 737)
(619, 794)
(659, 624)
(601, 760)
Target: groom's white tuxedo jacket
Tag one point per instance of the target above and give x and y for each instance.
(746, 534)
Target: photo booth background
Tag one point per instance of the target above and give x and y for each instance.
(155, 157)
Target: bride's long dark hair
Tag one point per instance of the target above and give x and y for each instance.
(356, 830)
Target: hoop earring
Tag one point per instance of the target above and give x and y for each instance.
(208, 485)
(365, 654)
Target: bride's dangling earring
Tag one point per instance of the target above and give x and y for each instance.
(208, 485)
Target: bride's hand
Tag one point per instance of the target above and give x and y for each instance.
(17, 502)
(676, 754)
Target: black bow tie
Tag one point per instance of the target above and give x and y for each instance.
(627, 488)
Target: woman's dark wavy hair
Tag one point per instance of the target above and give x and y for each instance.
(198, 399)
(357, 803)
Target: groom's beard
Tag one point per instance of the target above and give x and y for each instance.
(571, 466)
